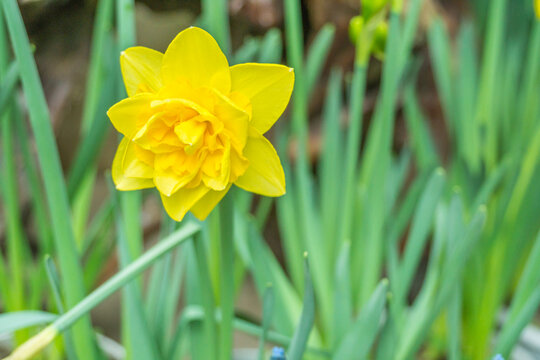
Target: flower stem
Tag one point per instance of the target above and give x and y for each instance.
(226, 213)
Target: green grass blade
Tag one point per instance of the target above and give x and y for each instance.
(9, 80)
(288, 220)
(206, 299)
(300, 338)
(52, 176)
(13, 321)
(512, 329)
(136, 334)
(486, 106)
(172, 296)
(17, 249)
(95, 79)
(226, 289)
(39, 205)
(215, 15)
(467, 78)
(529, 280)
(421, 138)
(439, 46)
(263, 211)
(420, 227)
(54, 282)
(356, 105)
(454, 325)
(266, 269)
(420, 320)
(343, 309)
(330, 166)
(358, 341)
(247, 52)
(127, 274)
(271, 47)
(268, 312)
(317, 55)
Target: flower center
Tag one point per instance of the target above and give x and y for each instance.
(191, 144)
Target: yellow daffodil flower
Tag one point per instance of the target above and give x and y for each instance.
(193, 126)
(537, 8)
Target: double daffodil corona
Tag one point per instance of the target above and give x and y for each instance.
(193, 126)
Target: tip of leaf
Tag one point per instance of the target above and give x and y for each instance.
(440, 171)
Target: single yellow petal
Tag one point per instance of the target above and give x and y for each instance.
(128, 171)
(537, 8)
(264, 174)
(179, 203)
(269, 88)
(207, 203)
(235, 120)
(141, 68)
(195, 57)
(130, 115)
(217, 169)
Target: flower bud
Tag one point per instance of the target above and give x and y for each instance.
(379, 40)
(371, 7)
(355, 28)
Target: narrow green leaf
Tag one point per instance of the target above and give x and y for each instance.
(13, 321)
(317, 55)
(300, 338)
(529, 280)
(215, 15)
(420, 227)
(268, 312)
(206, 299)
(52, 176)
(439, 46)
(227, 259)
(247, 52)
(9, 80)
(422, 140)
(331, 167)
(358, 341)
(54, 282)
(512, 329)
(343, 309)
(137, 337)
(271, 48)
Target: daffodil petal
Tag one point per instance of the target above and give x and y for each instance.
(208, 202)
(179, 203)
(128, 172)
(235, 120)
(264, 174)
(130, 115)
(268, 86)
(168, 183)
(195, 57)
(141, 69)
